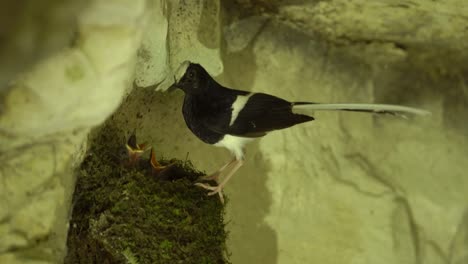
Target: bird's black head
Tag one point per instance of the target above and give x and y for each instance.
(195, 79)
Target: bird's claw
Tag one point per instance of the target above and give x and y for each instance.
(218, 189)
(214, 189)
(212, 177)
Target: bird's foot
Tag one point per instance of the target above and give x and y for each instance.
(217, 174)
(218, 189)
(212, 177)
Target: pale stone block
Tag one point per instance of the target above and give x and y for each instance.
(152, 64)
(45, 116)
(195, 34)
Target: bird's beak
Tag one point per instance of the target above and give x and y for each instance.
(173, 87)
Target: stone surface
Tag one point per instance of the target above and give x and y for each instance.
(432, 24)
(346, 188)
(458, 253)
(351, 188)
(179, 31)
(195, 35)
(32, 31)
(153, 58)
(45, 116)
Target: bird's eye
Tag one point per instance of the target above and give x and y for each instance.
(191, 74)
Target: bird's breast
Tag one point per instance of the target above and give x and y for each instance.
(194, 113)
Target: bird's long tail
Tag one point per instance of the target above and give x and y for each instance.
(370, 108)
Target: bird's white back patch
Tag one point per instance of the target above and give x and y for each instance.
(237, 106)
(234, 144)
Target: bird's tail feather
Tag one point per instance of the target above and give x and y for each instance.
(371, 108)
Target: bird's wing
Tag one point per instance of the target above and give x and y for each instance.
(258, 115)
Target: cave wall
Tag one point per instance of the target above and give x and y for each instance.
(346, 188)
(84, 65)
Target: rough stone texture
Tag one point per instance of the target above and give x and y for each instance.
(153, 57)
(195, 33)
(346, 188)
(179, 31)
(384, 21)
(46, 114)
(350, 188)
(32, 31)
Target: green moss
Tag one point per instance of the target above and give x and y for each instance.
(125, 215)
(129, 256)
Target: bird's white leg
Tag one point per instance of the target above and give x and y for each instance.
(236, 163)
(216, 174)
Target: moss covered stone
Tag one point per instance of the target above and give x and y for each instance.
(127, 215)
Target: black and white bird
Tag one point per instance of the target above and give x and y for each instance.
(230, 118)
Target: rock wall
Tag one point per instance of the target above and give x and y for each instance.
(346, 188)
(48, 109)
(352, 188)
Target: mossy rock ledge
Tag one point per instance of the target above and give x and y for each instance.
(128, 215)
